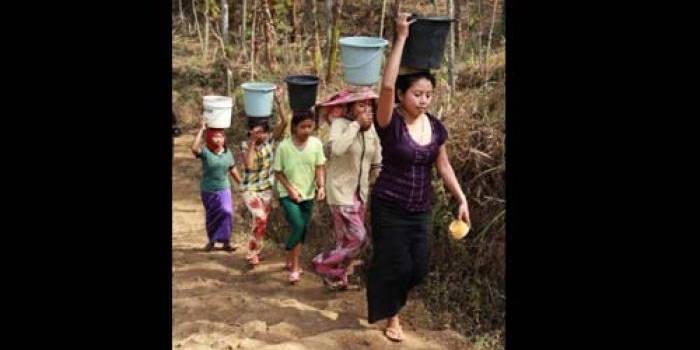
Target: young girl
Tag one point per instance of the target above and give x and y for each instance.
(413, 141)
(258, 156)
(298, 167)
(217, 164)
(354, 151)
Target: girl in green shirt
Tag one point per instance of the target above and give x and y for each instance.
(298, 167)
(217, 164)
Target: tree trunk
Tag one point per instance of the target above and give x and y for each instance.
(224, 22)
(329, 30)
(229, 82)
(317, 43)
(333, 56)
(221, 42)
(196, 22)
(458, 24)
(451, 56)
(293, 21)
(243, 16)
(269, 36)
(206, 28)
(467, 33)
(494, 10)
(252, 43)
(182, 14)
(381, 25)
(285, 56)
(481, 30)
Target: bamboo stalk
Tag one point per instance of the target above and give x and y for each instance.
(252, 44)
(493, 21)
(381, 25)
(206, 29)
(224, 22)
(196, 22)
(243, 24)
(333, 54)
(450, 66)
(317, 44)
(269, 36)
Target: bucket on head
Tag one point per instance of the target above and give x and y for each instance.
(257, 98)
(217, 111)
(302, 91)
(425, 45)
(362, 59)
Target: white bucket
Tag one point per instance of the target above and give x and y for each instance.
(217, 111)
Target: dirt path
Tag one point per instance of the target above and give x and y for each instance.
(220, 303)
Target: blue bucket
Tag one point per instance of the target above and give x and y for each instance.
(257, 99)
(362, 59)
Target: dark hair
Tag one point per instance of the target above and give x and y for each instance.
(299, 117)
(255, 122)
(374, 106)
(405, 81)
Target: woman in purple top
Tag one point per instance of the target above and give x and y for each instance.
(412, 142)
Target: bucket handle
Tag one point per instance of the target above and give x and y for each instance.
(371, 57)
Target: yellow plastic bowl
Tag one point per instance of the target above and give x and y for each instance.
(458, 229)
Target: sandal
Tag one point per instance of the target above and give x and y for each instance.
(288, 267)
(294, 276)
(331, 285)
(228, 248)
(343, 283)
(253, 260)
(394, 334)
(208, 247)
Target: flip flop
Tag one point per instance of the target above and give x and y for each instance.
(394, 334)
(330, 284)
(254, 260)
(294, 277)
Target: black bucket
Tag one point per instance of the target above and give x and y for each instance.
(425, 45)
(302, 91)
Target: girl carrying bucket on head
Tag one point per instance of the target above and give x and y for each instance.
(354, 150)
(413, 141)
(258, 156)
(298, 167)
(217, 164)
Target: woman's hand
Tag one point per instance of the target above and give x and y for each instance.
(279, 92)
(294, 195)
(463, 213)
(253, 138)
(402, 24)
(204, 124)
(320, 194)
(365, 121)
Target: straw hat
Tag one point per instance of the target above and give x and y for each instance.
(345, 96)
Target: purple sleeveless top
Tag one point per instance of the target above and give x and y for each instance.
(406, 174)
